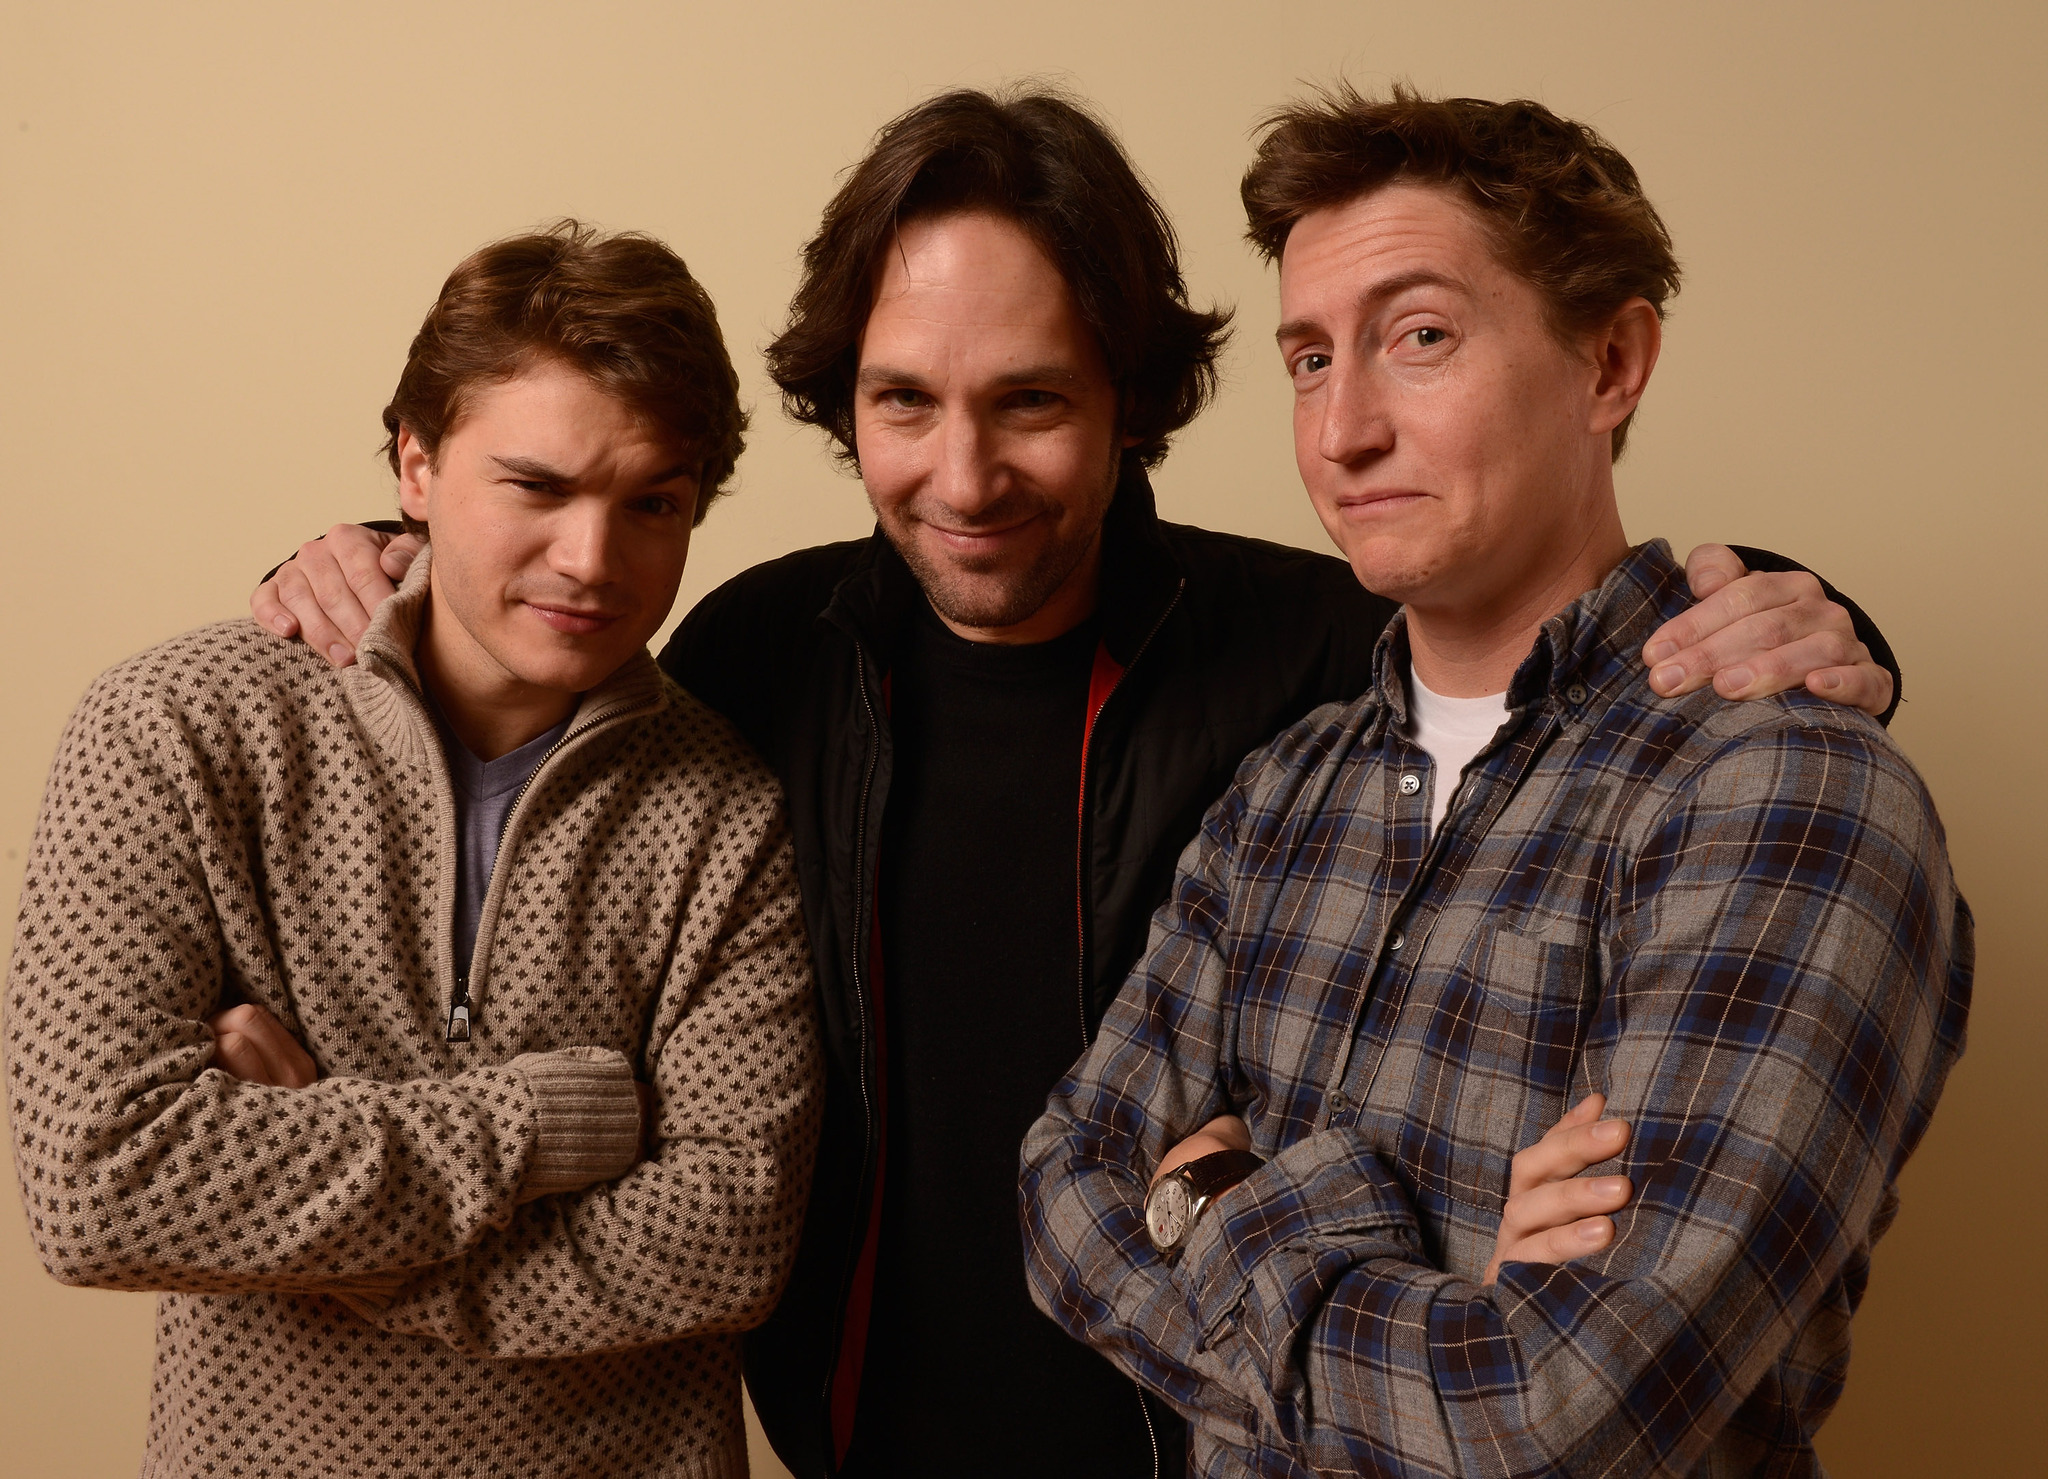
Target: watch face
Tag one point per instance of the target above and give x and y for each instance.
(1166, 1213)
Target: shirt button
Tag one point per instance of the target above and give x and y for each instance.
(1396, 940)
(1575, 694)
(1410, 783)
(1338, 1103)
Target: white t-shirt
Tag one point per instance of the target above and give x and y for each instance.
(1453, 730)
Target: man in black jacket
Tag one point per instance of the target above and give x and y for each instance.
(998, 721)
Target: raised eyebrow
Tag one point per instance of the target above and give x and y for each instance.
(1379, 293)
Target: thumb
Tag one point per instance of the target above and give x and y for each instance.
(1710, 567)
(398, 555)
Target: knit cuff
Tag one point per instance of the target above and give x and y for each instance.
(587, 1115)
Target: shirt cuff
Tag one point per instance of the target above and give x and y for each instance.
(1264, 1259)
(587, 1118)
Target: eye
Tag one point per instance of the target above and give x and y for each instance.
(904, 398)
(1034, 400)
(1312, 363)
(531, 485)
(1428, 337)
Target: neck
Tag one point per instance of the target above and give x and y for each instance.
(489, 710)
(1469, 649)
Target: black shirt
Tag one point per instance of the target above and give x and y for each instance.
(982, 1012)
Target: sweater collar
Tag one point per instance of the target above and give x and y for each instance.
(1139, 579)
(388, 695)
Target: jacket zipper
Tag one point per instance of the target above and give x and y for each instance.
(1081, 839)
(860, 1003)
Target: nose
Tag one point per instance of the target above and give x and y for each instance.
(968, 476)
(586, 547)
(1355, 425)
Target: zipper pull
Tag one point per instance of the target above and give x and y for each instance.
(458, 1015)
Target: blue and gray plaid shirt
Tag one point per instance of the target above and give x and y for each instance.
(1735, 920)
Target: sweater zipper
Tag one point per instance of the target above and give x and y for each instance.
(459, 1016)
(1081, 833)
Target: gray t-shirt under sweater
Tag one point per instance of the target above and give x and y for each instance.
(484, 793)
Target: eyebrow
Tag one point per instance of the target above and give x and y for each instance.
(886, 377)
(1379, 292)
(533, 470)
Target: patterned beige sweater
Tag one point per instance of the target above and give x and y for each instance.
(444, 1258)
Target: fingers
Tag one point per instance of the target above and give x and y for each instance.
(1762, 673)
(252, 1045)
(1742, 625)
(1571, 1147)
(1558, 1244)
(326, 592)
(399, 555)
(1863, 685)
(1710, 567)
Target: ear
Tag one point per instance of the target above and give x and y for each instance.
(1624, 354)
(415, 475)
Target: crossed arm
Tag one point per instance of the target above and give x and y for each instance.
(1752, 633)
(1777, 1025)
(508, 1210)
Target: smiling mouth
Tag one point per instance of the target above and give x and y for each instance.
(979, 541)
(572, 622)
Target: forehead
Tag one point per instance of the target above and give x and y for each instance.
(1338, 256)
(550, 409)
(971, 280)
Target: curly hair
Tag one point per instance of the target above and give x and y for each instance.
(621, 308)
(1043, 161)
(1564, 207)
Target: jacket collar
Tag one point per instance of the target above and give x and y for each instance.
(1584, 657)
(385, 689)
(1139, 580)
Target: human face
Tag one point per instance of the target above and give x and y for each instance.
(560, 525)
(1454, 449)
(987, 428)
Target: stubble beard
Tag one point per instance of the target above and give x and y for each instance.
(979, 593)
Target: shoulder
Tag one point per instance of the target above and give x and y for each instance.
(793, 588)
(1285, 581)
(689, 753)
(1801, 772)
(742, 642)
(221, 676)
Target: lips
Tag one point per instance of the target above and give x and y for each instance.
(572, 621)
(979, 541)
(1387, 501)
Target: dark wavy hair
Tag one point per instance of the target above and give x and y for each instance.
(1565, 209)
(1045, 162)
(621, 308)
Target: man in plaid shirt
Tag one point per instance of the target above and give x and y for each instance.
(1271, 1189)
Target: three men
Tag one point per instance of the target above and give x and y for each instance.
(998, 722)
(437, 1033)
(1422, 923)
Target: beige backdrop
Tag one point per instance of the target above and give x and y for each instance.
(220, 223)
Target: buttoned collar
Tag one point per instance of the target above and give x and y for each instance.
(1583, 657)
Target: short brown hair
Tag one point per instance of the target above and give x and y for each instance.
(1565, 208)
(1046, 163)
(621, 308)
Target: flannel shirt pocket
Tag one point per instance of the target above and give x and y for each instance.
(1501, 1032)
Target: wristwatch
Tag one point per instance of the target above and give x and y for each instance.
(1185, 1192)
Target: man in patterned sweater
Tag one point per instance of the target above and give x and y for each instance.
(437, 1032)
(1506, 879)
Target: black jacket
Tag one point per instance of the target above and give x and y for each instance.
(1224, 641)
